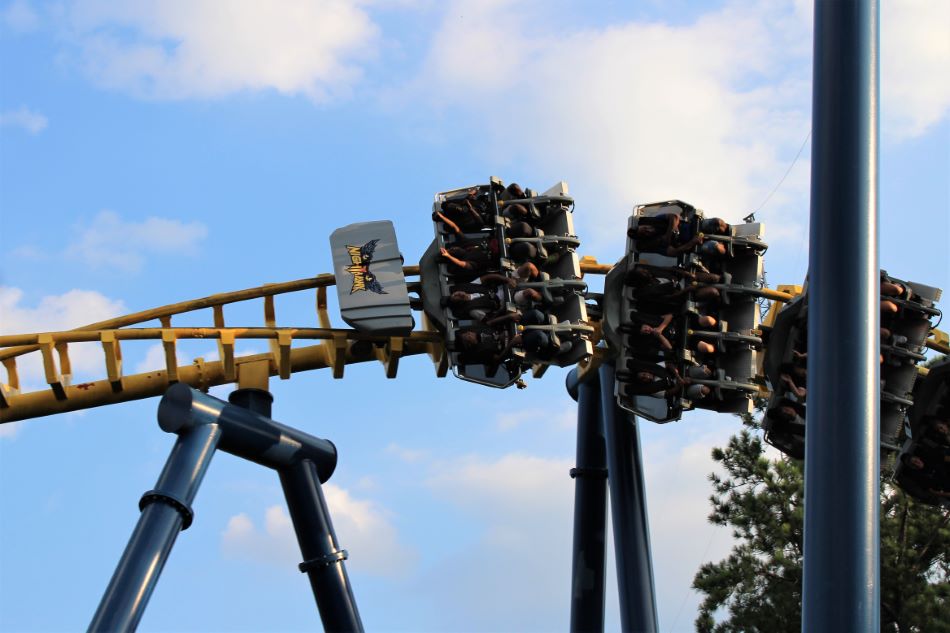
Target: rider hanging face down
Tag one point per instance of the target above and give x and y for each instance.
(661, 234)
(650, 379)
(470, 213)
(470, 261)
(664, 293)
(927, 471)
(484, 345)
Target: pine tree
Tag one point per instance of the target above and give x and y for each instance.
(757, 589)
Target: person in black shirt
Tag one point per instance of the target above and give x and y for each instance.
(660, 234)
(466, 264)
(465, 215)
(649, 288)
(795, 377)
(927, 473)
(484, 345)
(646, 332)
(649, 378)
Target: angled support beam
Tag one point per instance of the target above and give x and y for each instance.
(53, 377)
(284, 338)
(337, 354)
(171, 356)
(65, 365)
(13, 377)
(323, 316)
(113, 352)
(390, 355)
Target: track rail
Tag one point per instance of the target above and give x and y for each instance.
(337, 348)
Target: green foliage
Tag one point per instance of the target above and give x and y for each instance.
(759, 585)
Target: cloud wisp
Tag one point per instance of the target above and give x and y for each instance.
(25, 119)
(19, 16)
(205, 49)
(915, 62)
(110, 241)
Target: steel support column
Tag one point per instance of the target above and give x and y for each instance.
(842, 540)
(628, 509)
(590, 509)
(166, 510)
(323, 557)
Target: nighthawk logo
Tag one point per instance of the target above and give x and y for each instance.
(361, 257)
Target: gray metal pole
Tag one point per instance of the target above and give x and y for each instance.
(842, 539)
(323, 556)
(590, 509)
(166, 510)
(628, 510)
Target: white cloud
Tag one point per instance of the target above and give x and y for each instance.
(363, 528)
(276, 544)
(25, 119)
(182, 49)
(19, 16)
(55, 313)
(915, 64)
(110, 241)
(515, 484)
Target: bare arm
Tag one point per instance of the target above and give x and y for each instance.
(471, 210)
(458, 262)
(508, 316)
(495, 278)
(449, 223)
(662, 326)
(514, 340)
(676, 250)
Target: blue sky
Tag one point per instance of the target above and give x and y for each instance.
(152, 152)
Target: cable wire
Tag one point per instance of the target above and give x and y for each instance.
(787, 172)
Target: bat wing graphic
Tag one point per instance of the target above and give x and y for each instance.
(367, 250)
(363, 279)
(373, 284)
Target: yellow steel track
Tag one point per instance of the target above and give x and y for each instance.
(335, 350)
